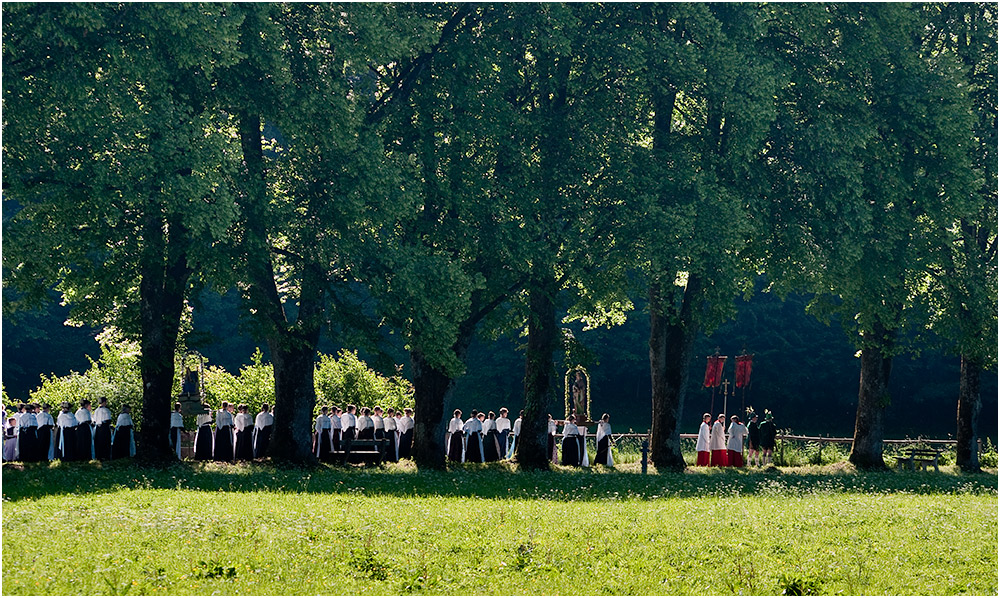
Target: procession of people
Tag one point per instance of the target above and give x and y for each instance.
(31, 434)
(718, 447)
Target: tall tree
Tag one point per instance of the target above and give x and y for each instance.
(115, 156)
(963, 293)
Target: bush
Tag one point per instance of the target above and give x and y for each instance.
(345, 379)
(253, 386)
(989, 456)
(114, 375)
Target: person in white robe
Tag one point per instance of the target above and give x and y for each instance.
(473, 429)
(734, 447)
(46, 432)
(123, 442)
(262, 431)
(349, 427)
(176, 427)
(321, 440)
(204, 440)
(603, 456)
(84, 432)
(553, 452)
(454, 439)
(66, 433)
(102, 430)
(366, 428)
(703, 446)
(405, 427)
(491, 439)
(717, 442)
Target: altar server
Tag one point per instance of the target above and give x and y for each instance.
(321, 446)
(102, 430)
(603, 455)
(734, 448)
(571, 442)
(473, 429)
(84, 432)
(243, 426)
(223, 449)
(717, 442)
(392, 448)
(454, 440)
(702, 445)
(123, 440)
(491, 439)
(406, 434)
(204, 442)
(66, 433)
(176, 427)
(262, 431)
(46, 432)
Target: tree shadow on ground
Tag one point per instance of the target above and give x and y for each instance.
(489, 481)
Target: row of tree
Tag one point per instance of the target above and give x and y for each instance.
(448, 169)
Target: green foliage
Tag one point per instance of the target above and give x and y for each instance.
(205, 528)
(989, 456)
(115, 375)
(253, 386)
(345, 379)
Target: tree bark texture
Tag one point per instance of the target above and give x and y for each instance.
(873, 398)
(969, 404)
(164, 279)
(671, 343)
(539, 372)
(431, 388)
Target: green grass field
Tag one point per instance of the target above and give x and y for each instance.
(204, 529)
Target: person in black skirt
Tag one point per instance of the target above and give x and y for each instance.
(262, 431)
(571, 442)
(405, 427)
(456, 446)
(223, 449)
(204, 443)
(244, 434)
(102, 430)
(66, 433)
(123, 441)
(491, 439)
(84, 432)
(603, 456)
(46, 426)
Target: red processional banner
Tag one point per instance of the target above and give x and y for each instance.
(713, 371)
(744, 365)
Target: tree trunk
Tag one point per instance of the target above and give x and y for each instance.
(431, 387)
(873, 398)
(539, 372)
(294, 363)
(969, 404)
(164, 279)
(670, 348)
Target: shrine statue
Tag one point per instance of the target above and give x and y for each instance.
(580, 393)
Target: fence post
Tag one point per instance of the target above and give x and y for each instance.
(645, 452)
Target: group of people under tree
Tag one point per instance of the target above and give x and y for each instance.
(336, 429)
(486, 438)
(31, 434)
(716, 448)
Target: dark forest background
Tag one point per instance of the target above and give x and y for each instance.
(804, 371)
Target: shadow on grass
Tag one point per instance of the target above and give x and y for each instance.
(490, 481)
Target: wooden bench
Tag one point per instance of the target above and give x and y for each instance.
(919, 456)
(366, 449)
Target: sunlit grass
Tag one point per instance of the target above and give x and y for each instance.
(201, 529)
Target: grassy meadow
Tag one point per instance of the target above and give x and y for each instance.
(236, 529)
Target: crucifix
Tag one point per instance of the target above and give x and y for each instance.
(725, 396)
